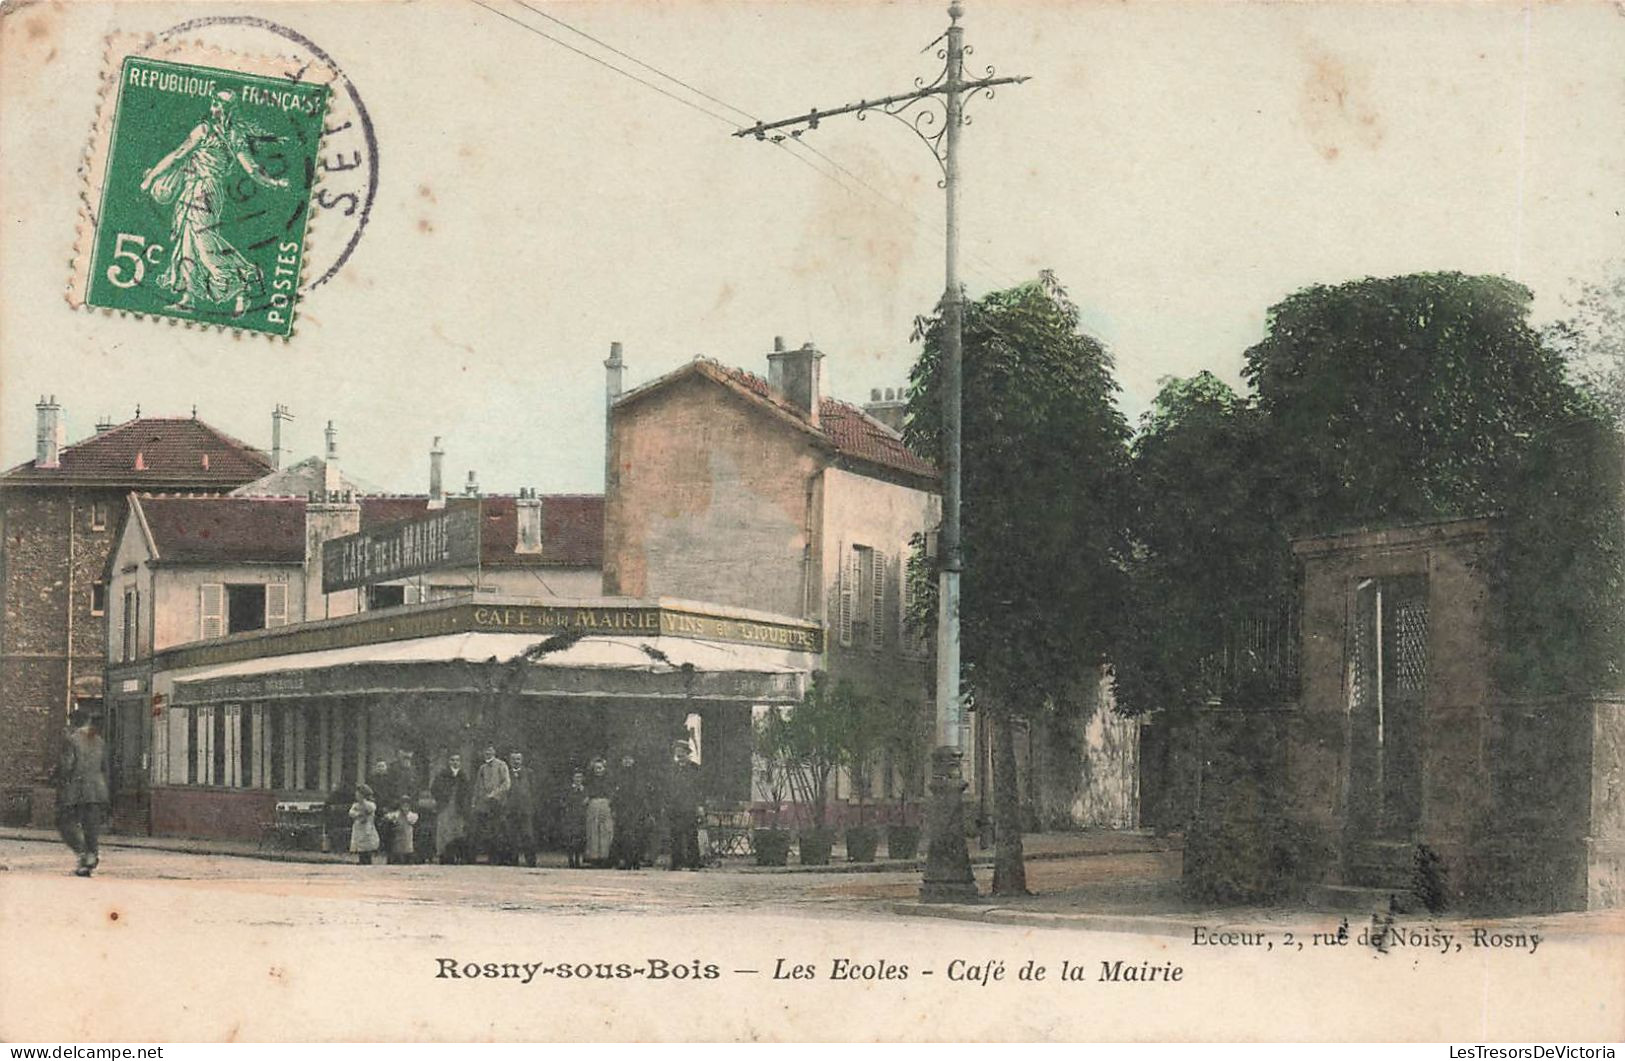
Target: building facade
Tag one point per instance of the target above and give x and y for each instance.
(746, 491)
(198, 569)
(60, 515)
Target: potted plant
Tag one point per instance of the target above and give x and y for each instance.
(861, 729)
(905, 735)
(813, 746)
(771, 845)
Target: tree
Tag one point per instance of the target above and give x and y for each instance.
(1592, 339)
(1402, 399)
(1379, 402)
(1044, 528)
(1431, 396)
(1208, 547)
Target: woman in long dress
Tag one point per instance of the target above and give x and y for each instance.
(600, 819)
(203, 266)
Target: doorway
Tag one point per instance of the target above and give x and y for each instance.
(1387, 682)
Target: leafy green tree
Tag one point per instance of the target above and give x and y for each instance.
(1592, 339)
(1431, 396)
(1045, 483)
(1402, 399)
(1208, 546)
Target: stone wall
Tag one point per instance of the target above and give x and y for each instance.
(51, 645)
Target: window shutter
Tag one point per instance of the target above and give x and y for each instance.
(276, 604)
(848, 591)
(212, 610)
(877, 605)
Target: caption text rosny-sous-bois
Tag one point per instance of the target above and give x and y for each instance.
(959, 970)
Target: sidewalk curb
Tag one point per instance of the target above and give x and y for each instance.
(183, 847)
(1147, 925)
(178, 845)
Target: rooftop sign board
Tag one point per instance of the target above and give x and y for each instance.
(450, 538)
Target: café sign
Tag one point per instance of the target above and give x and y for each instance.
(397, 550)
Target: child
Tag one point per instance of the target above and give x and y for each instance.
(574, 814)
(363, 827)
(400, 836)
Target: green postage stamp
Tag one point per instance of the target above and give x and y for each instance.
(198, 190)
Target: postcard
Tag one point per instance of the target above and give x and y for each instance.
(840, 521)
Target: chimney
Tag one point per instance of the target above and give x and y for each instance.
(279, 414)
(794, 376)
(104, 423)
(889, 407)
(528, 510)
(52, 434)
(614, 382)
(472, 489)
(331, 480)
(328, 514)
(437, 485)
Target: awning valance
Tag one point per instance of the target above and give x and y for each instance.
(607, 667)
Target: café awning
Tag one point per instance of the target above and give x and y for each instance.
(597, 667)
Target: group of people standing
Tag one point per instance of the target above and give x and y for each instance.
(621, 818)
(501, 812)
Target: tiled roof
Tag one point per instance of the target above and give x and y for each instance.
(858, 435)
(850, 431)
(194, 529)
(153, 451)
(298, 480)
(853, 432)
(225, 530)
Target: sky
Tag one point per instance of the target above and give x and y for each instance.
(1180, 167)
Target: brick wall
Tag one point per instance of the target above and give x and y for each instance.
(50, 559)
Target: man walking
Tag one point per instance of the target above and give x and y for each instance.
(82, 799)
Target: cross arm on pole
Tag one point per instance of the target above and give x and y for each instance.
(811, 119)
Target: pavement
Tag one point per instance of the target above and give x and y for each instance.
(206, 945)
(1038, 846)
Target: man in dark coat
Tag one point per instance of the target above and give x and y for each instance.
(633, 808)
(683, 809)
(385, 794)
(521, 809)
(450, 790)
(82, 798)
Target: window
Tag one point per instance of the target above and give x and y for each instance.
(131, 625)
(385, 596)
(245, 607)
(98, 515)
(864, 600)
(98, 598)
(234, 607)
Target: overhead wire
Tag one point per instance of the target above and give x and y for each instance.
(999, 275)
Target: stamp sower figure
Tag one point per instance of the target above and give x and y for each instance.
(450, 790)
(203, 266)
(683, 809)
(600, 817)
(82, 800)
(492, 782)
(521, 811)
(363, 824)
